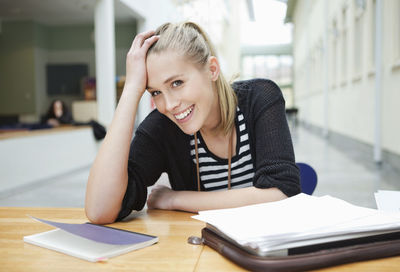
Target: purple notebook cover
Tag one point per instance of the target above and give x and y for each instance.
(100, 233)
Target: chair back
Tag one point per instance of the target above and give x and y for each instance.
(308, 178)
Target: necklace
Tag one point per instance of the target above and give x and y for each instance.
(229, 161)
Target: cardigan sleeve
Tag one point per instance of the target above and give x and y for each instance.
(274, 155)
(145, 165)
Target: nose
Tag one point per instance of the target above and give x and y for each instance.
(171, 102)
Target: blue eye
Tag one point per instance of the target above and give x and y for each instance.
(155, 93)
(177, 83)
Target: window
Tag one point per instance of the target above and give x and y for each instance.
(261, 67)
(313, 70)
(372, 34)
(344, 46)
(286, 69)
(275, 67)
(272, 65)
(396, 21)
(334, 42)
(320, 65)
(358, 37)
(398, 29)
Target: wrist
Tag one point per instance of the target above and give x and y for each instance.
(174, 200)
(131, 93)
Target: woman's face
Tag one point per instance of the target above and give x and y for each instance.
(183, 91)
(58, 108)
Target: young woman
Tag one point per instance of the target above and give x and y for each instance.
(207, 135)
(57, 114)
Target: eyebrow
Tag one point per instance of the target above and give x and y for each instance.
(166, 81)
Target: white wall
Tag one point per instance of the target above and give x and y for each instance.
(391, 76)
(44, 155)
(351, 98)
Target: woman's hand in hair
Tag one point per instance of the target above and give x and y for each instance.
(136, 77)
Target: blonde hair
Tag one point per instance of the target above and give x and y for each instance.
(189, 39)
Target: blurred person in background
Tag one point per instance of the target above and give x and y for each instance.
(57, 114)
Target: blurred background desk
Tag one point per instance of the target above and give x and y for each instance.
(28, 158)
(171, 253)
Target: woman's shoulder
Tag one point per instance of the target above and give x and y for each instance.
(257, 90)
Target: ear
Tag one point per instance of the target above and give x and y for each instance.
(213, 66)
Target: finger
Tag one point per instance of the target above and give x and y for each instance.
(141, 37)
(149, 204)
(152, 191)
(149, 42)
(155, 190)
(150, 199)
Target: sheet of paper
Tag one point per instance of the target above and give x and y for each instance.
(388, 200)
(100, 233)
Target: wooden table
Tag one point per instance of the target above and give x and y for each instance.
(171, 253)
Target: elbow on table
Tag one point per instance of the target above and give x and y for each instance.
(98, 216)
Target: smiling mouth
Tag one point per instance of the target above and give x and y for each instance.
(181, 116)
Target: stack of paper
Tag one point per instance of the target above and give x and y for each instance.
(298, 221)
(388, 200)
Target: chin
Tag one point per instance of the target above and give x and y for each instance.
(189, 130)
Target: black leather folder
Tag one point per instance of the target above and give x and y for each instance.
(307, 257)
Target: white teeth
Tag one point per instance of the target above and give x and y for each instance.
(184, 114)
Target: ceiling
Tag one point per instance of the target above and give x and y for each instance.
(57, 12)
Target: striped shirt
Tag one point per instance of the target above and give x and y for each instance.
(214, 170)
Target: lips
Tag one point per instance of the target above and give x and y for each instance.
(184, 114)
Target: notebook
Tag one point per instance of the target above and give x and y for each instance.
(89, 241)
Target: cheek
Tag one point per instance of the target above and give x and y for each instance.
(160, 105)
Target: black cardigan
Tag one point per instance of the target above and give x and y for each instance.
(160, 146)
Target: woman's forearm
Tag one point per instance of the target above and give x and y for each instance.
(108, 176)
(193, 201)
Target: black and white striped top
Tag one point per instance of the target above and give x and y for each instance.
(214, 170)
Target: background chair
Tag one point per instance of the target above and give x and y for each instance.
(308, 178)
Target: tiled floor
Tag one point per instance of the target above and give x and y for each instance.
(338, 175)
(64, 191)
